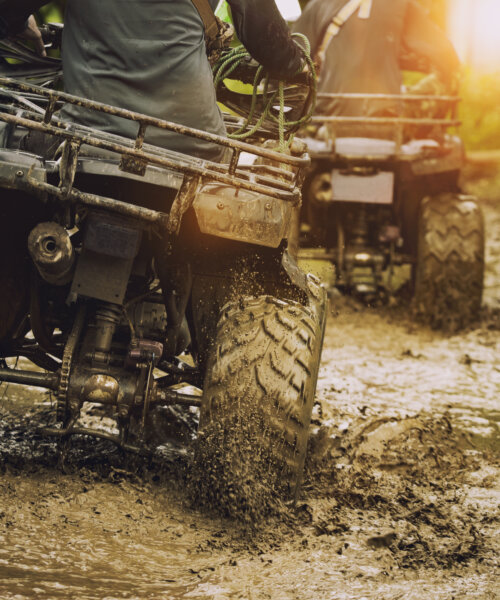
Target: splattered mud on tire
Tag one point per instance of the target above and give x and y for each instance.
(235, 475)
(257, 404)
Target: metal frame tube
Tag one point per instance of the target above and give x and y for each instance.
(146, 120)
(387, 121)
(43, 380)
(207, 171)
(402, 97)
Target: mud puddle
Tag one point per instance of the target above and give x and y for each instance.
(401, 497)
(400, 501)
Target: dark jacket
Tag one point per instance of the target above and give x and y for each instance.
(149, 56)
(365, 56)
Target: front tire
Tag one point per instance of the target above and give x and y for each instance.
(257, 404)
(450, 261)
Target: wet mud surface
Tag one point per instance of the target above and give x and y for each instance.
(400, 500)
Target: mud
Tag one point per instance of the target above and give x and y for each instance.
(400, 499)
(236, 476)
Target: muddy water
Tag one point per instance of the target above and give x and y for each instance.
(69, 540)
(401, 498)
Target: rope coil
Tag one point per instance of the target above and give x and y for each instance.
(232, 59)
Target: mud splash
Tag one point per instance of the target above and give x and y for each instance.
(234, 475)
(401, 499)
(392, 507)
(405, 477)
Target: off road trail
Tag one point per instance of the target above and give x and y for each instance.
(400, 500)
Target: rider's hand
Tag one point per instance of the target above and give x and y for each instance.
(32, 34)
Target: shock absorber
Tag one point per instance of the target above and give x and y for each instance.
(360, 229)
(362, 263)
(107, 317)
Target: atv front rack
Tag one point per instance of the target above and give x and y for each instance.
(401, 122)
(279, 177)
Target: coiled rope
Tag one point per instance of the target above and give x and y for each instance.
(230, 61)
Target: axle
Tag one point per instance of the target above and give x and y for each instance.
(43, 380)
(96, 383)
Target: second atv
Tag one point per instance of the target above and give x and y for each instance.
(374, 203)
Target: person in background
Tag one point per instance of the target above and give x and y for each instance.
(359, 44)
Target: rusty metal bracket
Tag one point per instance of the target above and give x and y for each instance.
(183, 201)
(67, 165)
(134, 165)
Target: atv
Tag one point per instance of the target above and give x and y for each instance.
(147, 282)
(372, 203)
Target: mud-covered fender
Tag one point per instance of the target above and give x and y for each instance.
(313, 291)
(243, 216)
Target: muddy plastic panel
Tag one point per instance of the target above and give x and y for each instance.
(371, 189)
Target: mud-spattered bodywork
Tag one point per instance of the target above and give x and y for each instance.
(126, 254)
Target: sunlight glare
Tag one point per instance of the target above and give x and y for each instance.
(473, 26)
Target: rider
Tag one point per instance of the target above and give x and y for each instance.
(358, 45)
(150, 57)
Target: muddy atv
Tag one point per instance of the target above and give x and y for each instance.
(148, 282)
(372, 204)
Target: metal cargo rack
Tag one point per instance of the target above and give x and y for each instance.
(399, 122)
(34, 108)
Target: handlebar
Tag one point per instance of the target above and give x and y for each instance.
(52, 35)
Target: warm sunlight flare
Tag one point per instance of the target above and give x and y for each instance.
(473, 28)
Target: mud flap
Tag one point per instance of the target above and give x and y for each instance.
(310, 286)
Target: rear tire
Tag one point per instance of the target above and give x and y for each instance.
(14, 286)
(14, 277)
(450, 261)
(257, 403)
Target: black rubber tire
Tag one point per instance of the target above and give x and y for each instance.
(258, 399)
(19, 213)
(14, 295)
(449, 271)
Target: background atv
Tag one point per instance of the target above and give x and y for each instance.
(129, 272)
(376, 203)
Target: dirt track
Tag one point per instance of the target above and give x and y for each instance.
(401, 498)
